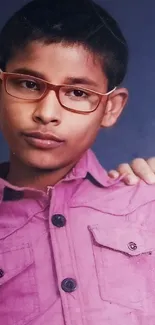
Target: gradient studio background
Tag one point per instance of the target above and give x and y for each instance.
(134, 135)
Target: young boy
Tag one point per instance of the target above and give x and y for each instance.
(76, 248)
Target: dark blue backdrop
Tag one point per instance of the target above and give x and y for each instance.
(134, 133)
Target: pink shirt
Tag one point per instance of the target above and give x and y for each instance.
(81, 254)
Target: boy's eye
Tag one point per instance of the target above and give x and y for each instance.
(25, 84)
(29, 84)
(78, 93)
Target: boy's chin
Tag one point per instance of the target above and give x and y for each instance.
(37, 162)
(43, 161)
(42, 165)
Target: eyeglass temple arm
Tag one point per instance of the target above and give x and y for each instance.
(1, 74)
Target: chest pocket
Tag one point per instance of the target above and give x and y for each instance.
(125, 266)
(18, 290)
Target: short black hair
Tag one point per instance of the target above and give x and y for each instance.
(71, 22)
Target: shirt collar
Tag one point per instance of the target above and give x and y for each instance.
(88, 167)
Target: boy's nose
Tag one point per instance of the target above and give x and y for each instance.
(48, 110)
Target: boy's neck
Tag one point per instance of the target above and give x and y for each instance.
(25, 176)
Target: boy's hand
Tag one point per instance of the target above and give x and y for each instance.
(139, 168)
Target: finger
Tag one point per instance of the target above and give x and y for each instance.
(151, 163)
(129, 177)
(142, 169)
(113, 174)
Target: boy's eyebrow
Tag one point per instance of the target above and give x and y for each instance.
(68, 80)
(81, 81)
(29, 72)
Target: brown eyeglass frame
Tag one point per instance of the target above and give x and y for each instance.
(55, 88)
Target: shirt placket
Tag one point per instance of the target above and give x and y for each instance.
(68, 280)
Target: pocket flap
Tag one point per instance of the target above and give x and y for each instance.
(14, 261)
(132, 241)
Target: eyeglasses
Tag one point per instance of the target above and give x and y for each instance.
(72, 98)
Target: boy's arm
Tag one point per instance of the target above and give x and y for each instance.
(139, 168)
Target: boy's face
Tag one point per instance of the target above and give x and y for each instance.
(56, 63)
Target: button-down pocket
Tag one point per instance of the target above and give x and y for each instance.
(125, 265)
(18, 291)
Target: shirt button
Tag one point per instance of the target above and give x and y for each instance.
(58, 220)
(69, 285)
(132, 246)
(1, 273)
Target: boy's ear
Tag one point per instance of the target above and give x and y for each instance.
(114, 106)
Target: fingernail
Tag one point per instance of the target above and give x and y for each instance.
(151, 179)
(114, 174)
(132, 180)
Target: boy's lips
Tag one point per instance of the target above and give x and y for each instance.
(42, 140)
